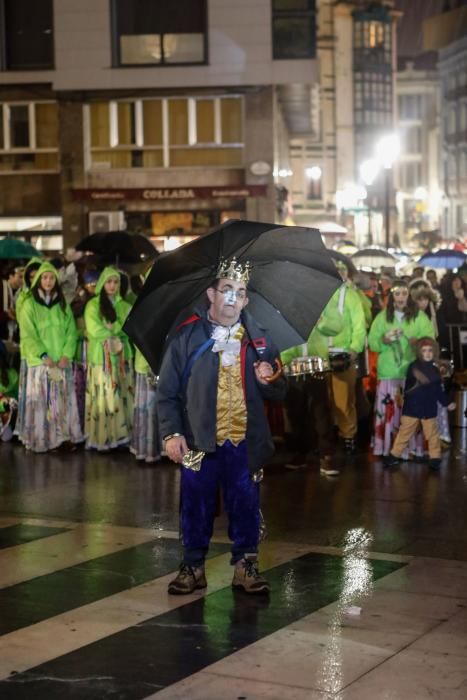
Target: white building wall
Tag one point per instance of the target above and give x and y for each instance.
(239, 52)
(344, 98)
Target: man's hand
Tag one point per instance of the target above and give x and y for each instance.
(263, 370)
(48, 362)
(452, 406)
(63, 363)
(176, 448)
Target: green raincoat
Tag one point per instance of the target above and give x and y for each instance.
(330, 324)
(46, 330)
(97, 328)
(395, 358)
(352, 337)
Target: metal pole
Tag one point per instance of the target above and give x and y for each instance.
(387, 205)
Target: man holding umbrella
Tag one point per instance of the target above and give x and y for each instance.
(216, 373)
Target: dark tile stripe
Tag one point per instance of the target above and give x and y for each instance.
(46, 596)
(22, 533)
(150, 656)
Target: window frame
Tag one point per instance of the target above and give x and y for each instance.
(4, 68)
(165, 148)
(116, 50)
(311, 13)
(32, 149)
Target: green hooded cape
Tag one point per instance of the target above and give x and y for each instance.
(46, 330)
(97, 329)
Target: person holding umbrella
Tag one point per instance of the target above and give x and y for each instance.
(215, 375)
(109, 379)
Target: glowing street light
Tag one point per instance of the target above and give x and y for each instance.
(369, 171)
(314, 173)
(387, 152)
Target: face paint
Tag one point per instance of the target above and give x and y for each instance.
(230, 297)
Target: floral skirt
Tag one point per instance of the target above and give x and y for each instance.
(109, 408)
(388, 411)
(23, 377)
(443, 423)
(145, 441)
(50, 411)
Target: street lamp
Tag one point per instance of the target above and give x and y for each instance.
(369, 171)
(387, 152)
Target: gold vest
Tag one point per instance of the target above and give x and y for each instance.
(231, 406)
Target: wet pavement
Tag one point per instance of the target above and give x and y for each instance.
(368, 575)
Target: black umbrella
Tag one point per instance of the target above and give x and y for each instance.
(292, 279)
(119, 247)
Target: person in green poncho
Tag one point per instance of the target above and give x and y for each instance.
(109, 380)
(393, 335)
(48, 343)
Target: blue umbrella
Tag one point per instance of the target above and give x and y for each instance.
(446, 259)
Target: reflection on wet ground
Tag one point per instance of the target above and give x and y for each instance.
(368, 575)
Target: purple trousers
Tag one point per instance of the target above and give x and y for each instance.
(226, 468)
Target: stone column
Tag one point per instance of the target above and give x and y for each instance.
(72, 170)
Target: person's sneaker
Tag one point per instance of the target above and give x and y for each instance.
(326, 468)
(434, 463)
(391, 460)
(298, 462)
(349, 446)
(188, 579)
(247, 577)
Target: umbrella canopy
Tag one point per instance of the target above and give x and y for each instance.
(15, 249)
(293, 278)
(445, 259)
(373, 258)
(119, 247)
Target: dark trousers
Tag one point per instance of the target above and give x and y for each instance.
(227, 468)
(309, 411)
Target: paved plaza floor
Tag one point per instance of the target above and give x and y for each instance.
(368, 575)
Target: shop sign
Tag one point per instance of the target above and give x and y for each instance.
(171, 193)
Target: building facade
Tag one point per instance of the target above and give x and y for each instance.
(419, 196)
(123, 114)
(447, 34)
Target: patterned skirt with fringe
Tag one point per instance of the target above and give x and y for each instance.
(50, 411)
(145, 441)
(109, 407)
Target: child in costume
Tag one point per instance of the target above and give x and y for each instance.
(424, 389)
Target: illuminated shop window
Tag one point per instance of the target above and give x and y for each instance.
(28, 137)
(167, 132)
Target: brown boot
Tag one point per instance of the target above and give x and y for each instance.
(247, 577)
(188, 579)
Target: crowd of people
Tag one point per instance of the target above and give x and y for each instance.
(370, 334)
(70, 376)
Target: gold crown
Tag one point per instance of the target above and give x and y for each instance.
(233, 270)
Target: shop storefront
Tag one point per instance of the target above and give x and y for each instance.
(169, 216)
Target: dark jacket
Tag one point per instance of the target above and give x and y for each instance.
(421, 400)
(191, 411)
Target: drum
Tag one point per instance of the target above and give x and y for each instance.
(340, 361)
(311, 366)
